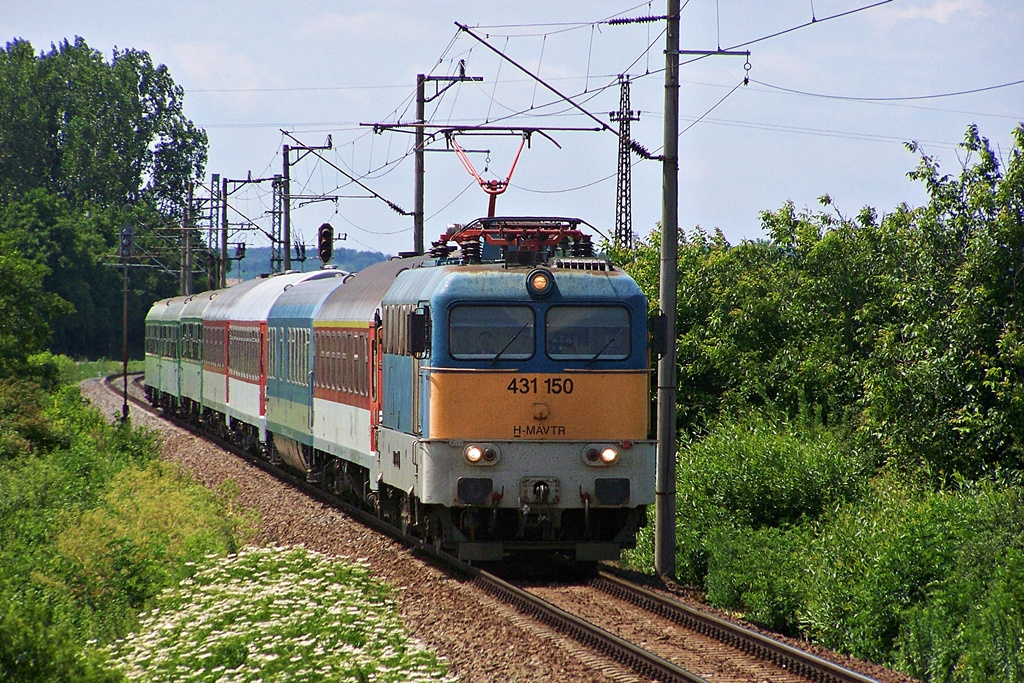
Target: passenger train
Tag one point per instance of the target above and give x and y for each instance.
(491, 397)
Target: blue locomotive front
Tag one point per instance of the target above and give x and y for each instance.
(515, 414)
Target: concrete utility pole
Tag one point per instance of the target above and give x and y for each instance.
(286, 207)
(223, 234)
(421, 101)
(665, 483)
(125, 251)
(285, 188)
(417, 209)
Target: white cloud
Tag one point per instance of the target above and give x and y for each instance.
(213, 66)
(210, 66)
(378, 28)
(940, 11)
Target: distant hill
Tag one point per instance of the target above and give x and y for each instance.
(257, 262)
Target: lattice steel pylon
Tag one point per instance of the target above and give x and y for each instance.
(624, 187)
(277, 219)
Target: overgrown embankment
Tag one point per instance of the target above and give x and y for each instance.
(92, 527)
(851, 404)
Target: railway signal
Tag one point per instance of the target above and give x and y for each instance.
(325, 243)
(127, 243)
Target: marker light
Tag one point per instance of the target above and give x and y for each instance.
(490, 454)
(474, 453)
(599, 455)
(540, 282)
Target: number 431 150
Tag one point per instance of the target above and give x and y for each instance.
(550, 385)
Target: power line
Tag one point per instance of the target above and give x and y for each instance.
(905, 98)
(812, 22)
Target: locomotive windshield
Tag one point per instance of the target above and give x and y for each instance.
(487, 332)
(588, 333)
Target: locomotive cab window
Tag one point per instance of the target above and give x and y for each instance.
(489, 332)
(587, 333)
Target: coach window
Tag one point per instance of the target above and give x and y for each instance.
(587, 333)
(489, 332)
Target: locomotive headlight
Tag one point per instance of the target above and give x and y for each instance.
(481, 454)
(540, 282)
(600, 454)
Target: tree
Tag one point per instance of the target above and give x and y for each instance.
(24, 309)
(906, 330)
(85, 147)
(110, 134)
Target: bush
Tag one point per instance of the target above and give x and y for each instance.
(748, 475)
(52, 371)
(758, 571)
(919, 578)
(33, 652)
(24, 429)
(91, 528)
(150, 525)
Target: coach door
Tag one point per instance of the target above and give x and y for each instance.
(262, 352)
(376, 379)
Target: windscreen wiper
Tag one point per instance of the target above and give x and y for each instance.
(505, 347)
(605, 347)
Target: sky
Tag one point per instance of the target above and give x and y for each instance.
(832, 100)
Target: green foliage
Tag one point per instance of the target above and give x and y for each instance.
(758, 571)
(76, 244)
(76, 372)
(901, 336)
(86, 146)
(90, 131)
(32, 651)
(24, 428)
(24, 308)
(276, 614)
(750, 475)
(907, 331)
(92, 527)
(927, 580)
(51, 371)
(149, 524)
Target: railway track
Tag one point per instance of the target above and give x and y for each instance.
(786, 660)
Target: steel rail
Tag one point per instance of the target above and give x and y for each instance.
(643, 662)
(753, 643)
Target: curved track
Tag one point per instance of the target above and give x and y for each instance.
(640, 660)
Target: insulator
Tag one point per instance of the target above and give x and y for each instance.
(639, 149)
(618, 21)
(440, 250)
(472, 252)
(586, 246)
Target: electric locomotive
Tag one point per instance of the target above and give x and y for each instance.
(491, 397)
